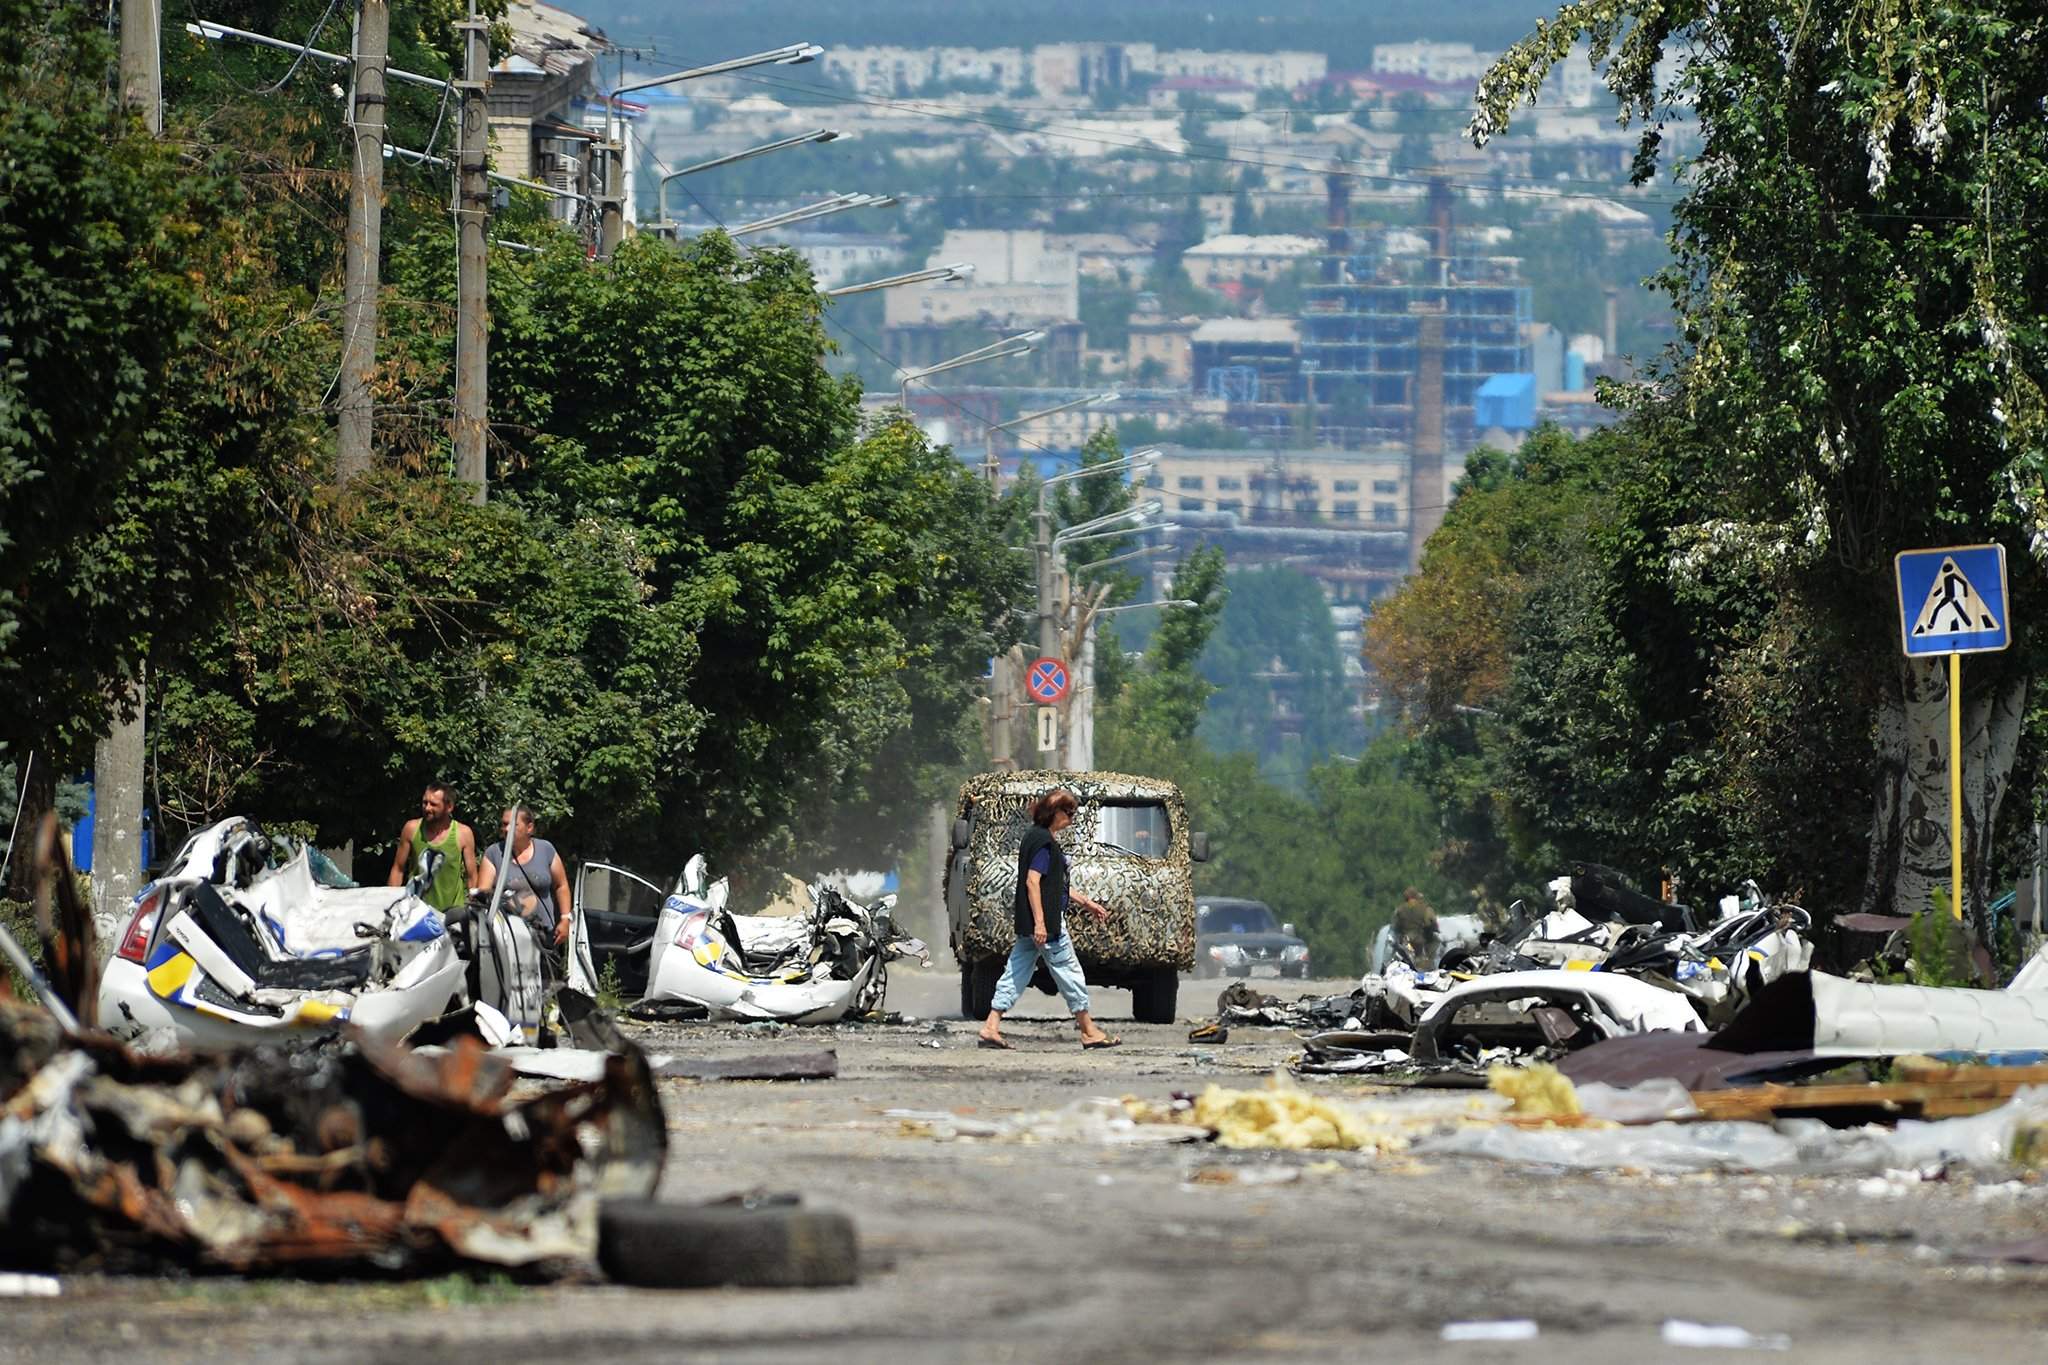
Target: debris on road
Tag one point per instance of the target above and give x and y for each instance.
(1678, 1332)
(1504, 1329)
(1834, 1017)
(775, 1245)
(1097, 1120)
(353, 1155)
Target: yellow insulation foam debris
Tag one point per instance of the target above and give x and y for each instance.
(1285, 1116)
(1538, 1091)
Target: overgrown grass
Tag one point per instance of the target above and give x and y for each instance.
(19, 919)
(1937, 949)
(610, 994)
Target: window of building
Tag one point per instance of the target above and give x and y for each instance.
(1226, 484)
(1386, 485)
(1155, 480)
(1346, 511)
(1306, 507)
(1385, 512)
(1235, 506)
(1345, 486)
(1190, 504)
(1191, 481)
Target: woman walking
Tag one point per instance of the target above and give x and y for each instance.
(1043, 898)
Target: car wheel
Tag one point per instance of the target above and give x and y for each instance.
(978, 981)
(681, 1246)
(1154, 999)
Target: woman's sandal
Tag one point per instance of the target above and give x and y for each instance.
(995, 1044)
(1104, 1041)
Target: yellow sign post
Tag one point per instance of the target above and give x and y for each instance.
(1952, 600)
(1955, 784)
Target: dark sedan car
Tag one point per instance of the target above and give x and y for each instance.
(1244, 938)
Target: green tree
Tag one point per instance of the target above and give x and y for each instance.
(1280, 691)
(1862, 299)
(150, 372)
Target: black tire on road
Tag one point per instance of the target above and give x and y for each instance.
(1154, 999)
(978, 981)
(687, 1246)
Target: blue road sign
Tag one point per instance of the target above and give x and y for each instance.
(1953, 600)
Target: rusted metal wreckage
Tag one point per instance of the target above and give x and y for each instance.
(345, 1155)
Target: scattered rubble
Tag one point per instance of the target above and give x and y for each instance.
(338, 1155)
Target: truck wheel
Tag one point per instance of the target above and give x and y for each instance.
(1153, 999)
(978, 986)
(683, 1246)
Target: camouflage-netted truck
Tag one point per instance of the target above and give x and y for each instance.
(1129, 847)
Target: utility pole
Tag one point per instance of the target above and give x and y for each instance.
(118, 760)
(611, 209)
(472, 215)
(1048, 610)
(1048, 618)
(142, 86)
(365, 229)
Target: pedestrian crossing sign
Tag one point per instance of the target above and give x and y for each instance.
(1953, 600)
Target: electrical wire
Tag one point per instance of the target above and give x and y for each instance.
(298, 60)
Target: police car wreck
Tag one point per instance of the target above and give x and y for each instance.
(826, 963)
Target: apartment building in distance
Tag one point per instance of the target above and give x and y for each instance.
(1061, 68)
(1236, 258)
(1342, 517)
(1020, 276)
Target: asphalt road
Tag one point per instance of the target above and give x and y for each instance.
(1062, 1250)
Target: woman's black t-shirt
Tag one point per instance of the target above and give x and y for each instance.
(1052, 885)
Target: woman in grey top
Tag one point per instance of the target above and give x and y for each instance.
(537, 887)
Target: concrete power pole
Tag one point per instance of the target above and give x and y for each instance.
(118, 760)
(1048, 612)
(611, 209)
(365, 229)
(472, 216)
(142, 87)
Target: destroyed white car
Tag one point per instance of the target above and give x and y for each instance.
(237, 943)
(816, 967)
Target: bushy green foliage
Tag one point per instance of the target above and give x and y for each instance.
(1291, 715)
(703, 609)
(1677, 656)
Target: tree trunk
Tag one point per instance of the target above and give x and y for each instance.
(38, 798)
(1909, 833)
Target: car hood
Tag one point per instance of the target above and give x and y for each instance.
(1253, 942)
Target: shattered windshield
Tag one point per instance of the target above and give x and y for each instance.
(1245, 917)
(1139, 827)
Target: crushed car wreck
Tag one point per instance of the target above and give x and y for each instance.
(817, 967)
(234, 943)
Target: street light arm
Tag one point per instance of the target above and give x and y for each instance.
(815, 135)
(1137, 459)
(1068, 406)
(1114, 532)
(938, 272)
(1177, 602)
(793, 55)
(1142, 552)
(821, 209)
(1142, 512)
(215, 33)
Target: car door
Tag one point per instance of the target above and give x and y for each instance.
(616, 911)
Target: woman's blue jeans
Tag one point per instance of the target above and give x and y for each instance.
(1059, 957)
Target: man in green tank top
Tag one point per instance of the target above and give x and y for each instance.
(437, 828)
